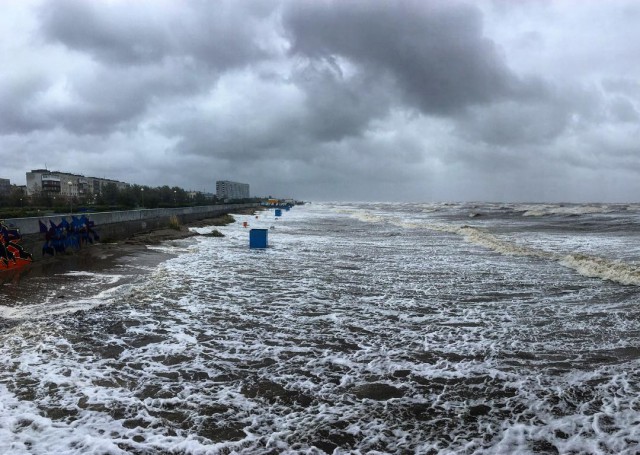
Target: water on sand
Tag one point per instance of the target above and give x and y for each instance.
(396, 328)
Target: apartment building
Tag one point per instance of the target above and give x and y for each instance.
(232, 190)
(65, 184)
(5, 187)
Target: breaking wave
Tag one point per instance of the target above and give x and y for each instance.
(571, 210)
(587, 265)
(597, 267)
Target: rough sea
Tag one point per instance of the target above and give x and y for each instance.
(363, 329)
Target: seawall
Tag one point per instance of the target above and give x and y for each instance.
(112, 226)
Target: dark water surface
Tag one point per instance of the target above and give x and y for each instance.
(365, 328)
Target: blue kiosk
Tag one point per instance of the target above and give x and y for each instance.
(258, 238)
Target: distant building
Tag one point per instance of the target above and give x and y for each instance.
(65, 184)
(5, 187)
(232, 190)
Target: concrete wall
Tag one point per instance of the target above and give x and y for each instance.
(121, 225)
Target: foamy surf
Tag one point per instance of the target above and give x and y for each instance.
(587, 265)
(595, 267)
(572, 210)
(409, 331)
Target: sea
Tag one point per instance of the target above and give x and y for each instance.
(364, 328)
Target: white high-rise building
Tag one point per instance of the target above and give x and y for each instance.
(232, 190)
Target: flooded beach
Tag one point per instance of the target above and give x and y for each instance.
(364, 328)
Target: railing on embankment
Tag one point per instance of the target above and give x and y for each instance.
(119, 225)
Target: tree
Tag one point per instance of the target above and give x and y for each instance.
(109, 193)
(200, 199)
(127, 197)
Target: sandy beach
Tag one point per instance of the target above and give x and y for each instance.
(17, 286)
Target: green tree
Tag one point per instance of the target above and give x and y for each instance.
(110, 193)
(127, 197)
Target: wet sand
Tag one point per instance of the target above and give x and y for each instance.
(51, 274)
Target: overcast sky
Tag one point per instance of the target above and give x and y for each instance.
(328, 100)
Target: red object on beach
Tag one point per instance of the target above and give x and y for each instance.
(13, 265)
(245, 224)
(11, 259)
(12, 255)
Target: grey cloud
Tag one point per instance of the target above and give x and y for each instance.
(335, 99)
(217, 34)
(435, 51)
(18, 98)
(336, 106)
(327, 108)
(539, 115)
(622, 85)
(512, 123)
(100, 100)
(118, 98)
(623, 110)
(144, 53)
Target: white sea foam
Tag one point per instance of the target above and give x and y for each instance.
(365, 216)
(78, 273)
(574, 210)
(596, 267)
(59, 306)
(98, 277)
(373, 343)
(627, 273)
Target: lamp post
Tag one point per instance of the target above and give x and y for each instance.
(175, 200)
(70, 198)
(142, 196)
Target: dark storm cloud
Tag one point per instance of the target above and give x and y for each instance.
(120, 98)
(322, 106)
(511, 123)
(337, 107)
(220, 34)
(321, 98)
(96, 100)
(435, 51)
(135, 55)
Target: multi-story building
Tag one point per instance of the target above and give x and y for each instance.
(50, 184)
(232, 190)
(65, 184)
(5, 187)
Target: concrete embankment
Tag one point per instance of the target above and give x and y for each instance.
(112, 226)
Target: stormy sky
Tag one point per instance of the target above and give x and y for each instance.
(328, 100)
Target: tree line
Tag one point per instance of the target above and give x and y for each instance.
(17, 204)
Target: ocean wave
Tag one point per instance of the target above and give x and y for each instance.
(571, 210)
(597, 267)
(590, 266)
(364, 216)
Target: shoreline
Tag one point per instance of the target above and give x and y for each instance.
(100, 257)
